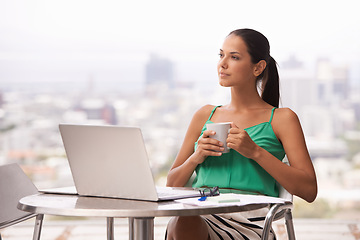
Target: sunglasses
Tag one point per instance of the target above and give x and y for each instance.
(206, 192)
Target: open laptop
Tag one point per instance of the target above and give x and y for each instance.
(111, 161)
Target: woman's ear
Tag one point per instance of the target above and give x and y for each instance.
(259, 68)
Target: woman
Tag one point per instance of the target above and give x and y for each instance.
(260, 136)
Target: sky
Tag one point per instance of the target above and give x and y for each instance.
(44, 40)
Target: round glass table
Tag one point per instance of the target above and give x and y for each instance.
(141, 214)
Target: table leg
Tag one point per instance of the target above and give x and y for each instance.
(110, 228)
(131, 228)
(144, 228)
(38, 226)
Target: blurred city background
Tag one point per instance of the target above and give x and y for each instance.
(152, 64)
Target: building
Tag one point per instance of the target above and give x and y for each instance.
(159, 71)
(333, 82)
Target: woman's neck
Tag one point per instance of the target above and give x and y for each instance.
(245, 99)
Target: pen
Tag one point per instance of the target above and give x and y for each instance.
(202, 198)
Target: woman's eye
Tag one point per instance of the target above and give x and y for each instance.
(221, 55)
(235, 57)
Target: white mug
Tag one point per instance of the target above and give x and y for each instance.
(222, 132)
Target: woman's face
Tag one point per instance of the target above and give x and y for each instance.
(235, 67)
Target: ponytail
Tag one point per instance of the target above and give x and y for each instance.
(270, 91)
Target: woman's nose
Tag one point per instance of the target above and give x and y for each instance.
(223, 63)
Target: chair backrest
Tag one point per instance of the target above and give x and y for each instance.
(283, 193)
(14, 185)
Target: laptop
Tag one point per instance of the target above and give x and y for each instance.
(111, 161)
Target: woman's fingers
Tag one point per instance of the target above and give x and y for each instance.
(212, 153)
(210, 146)
(208, 133)
(206, 139)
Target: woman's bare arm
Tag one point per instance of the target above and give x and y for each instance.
(299, 178)
(187, 160)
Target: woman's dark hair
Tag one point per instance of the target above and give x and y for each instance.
(259, 49)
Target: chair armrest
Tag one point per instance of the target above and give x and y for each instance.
(276, 212)
(18, 220)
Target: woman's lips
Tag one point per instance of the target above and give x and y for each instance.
(222, 74)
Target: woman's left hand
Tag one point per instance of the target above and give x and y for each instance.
(239, 140)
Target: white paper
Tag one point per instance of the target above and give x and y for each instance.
(245, 199)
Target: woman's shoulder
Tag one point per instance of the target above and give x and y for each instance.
(199, 119)
(204, 112)
(285, 114)
(284, 117)
(285, 121)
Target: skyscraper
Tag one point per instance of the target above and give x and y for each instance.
(159, 71)
(333, 81)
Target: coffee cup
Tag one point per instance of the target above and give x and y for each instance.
(221, 133)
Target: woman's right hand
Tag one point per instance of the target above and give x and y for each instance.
(207, 147)
(187, 159)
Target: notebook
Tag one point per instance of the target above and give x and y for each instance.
(111, 161)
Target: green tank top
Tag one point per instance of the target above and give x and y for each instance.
(232, 170)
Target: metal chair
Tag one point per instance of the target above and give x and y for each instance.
(14, 185)
(278, 211)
